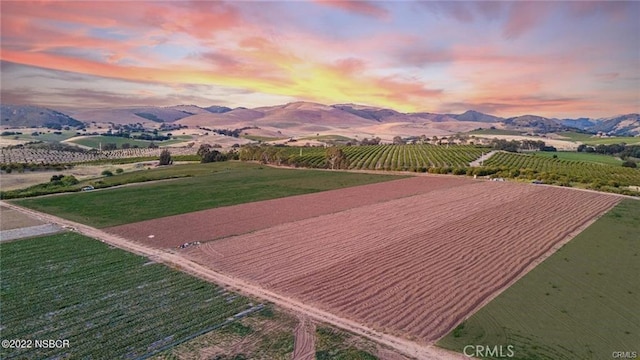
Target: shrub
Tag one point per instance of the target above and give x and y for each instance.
(630, 164)
(165, 158)
(106, 173)
(119, 171)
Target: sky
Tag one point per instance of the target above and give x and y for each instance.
(557, 59)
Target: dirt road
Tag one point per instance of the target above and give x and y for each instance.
(424, 352)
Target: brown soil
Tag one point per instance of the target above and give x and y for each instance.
(425, 352)
(12, 219)
(206, 225)
(305, 336)
(412, 267)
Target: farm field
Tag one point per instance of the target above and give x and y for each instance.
(580, 303)
(589, 139)
(411, 267)
(582, 156)
(225, 221)
(382, 157)
(543, 167)
(45, 156)
(96, 141)
(268, 335)
(106, 302)
(210, 185)
(495, 132)
(48, 135)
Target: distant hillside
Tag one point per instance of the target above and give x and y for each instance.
(535, 123)
(34, 116)
(476, 116)
(369, 113)
(304, 117)
(218, 109)
(619, 125)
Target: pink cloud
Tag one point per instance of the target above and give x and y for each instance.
(359, 7)
(525, 16)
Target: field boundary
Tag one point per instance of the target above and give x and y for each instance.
(530, 266)
(425, 352)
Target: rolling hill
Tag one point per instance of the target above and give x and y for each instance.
(35, 116)
(307, 117)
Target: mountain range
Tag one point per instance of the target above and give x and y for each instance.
(307, 117)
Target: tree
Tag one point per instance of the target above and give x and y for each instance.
(336, 159)
(165, 158)
(107, 173)
(110, 146)
(397, 140)
(152, 145)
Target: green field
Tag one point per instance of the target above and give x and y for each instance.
(48, 135)
(588, 139)
(262, 138)
(582, 156)
(580, 303)
(377, 157)
(495, 132)
(95, 141)
(106, 302)
(564, 172)
(210, 185)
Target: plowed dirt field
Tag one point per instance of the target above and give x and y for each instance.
(172, 231)
(410, 266)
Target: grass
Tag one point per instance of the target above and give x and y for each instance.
(208, 186)
(329, 138)
(495, 132)
(48, 135)
(95, 141)
(580, 303)
(256, 337)
(582, 156)
(333, 344)
(108, 303)
(262, 138)
(588, 139)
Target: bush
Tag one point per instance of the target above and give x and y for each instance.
(630, 164)
(106, 173)
(165, 158)
(119, 171)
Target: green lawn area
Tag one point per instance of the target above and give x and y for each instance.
(96, 140)
(588, 139)
(580, 303)
(582, 156)
(108, 303)
(210, 185)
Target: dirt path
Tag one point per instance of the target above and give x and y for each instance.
(479, 161)
(305, 340)
(423, 352)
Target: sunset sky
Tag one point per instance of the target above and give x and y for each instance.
(560, 59)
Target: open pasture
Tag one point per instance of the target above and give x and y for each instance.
(580, 303)
(414, 266)
(109, 304)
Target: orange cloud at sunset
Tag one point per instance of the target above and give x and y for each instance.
(505, 58)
